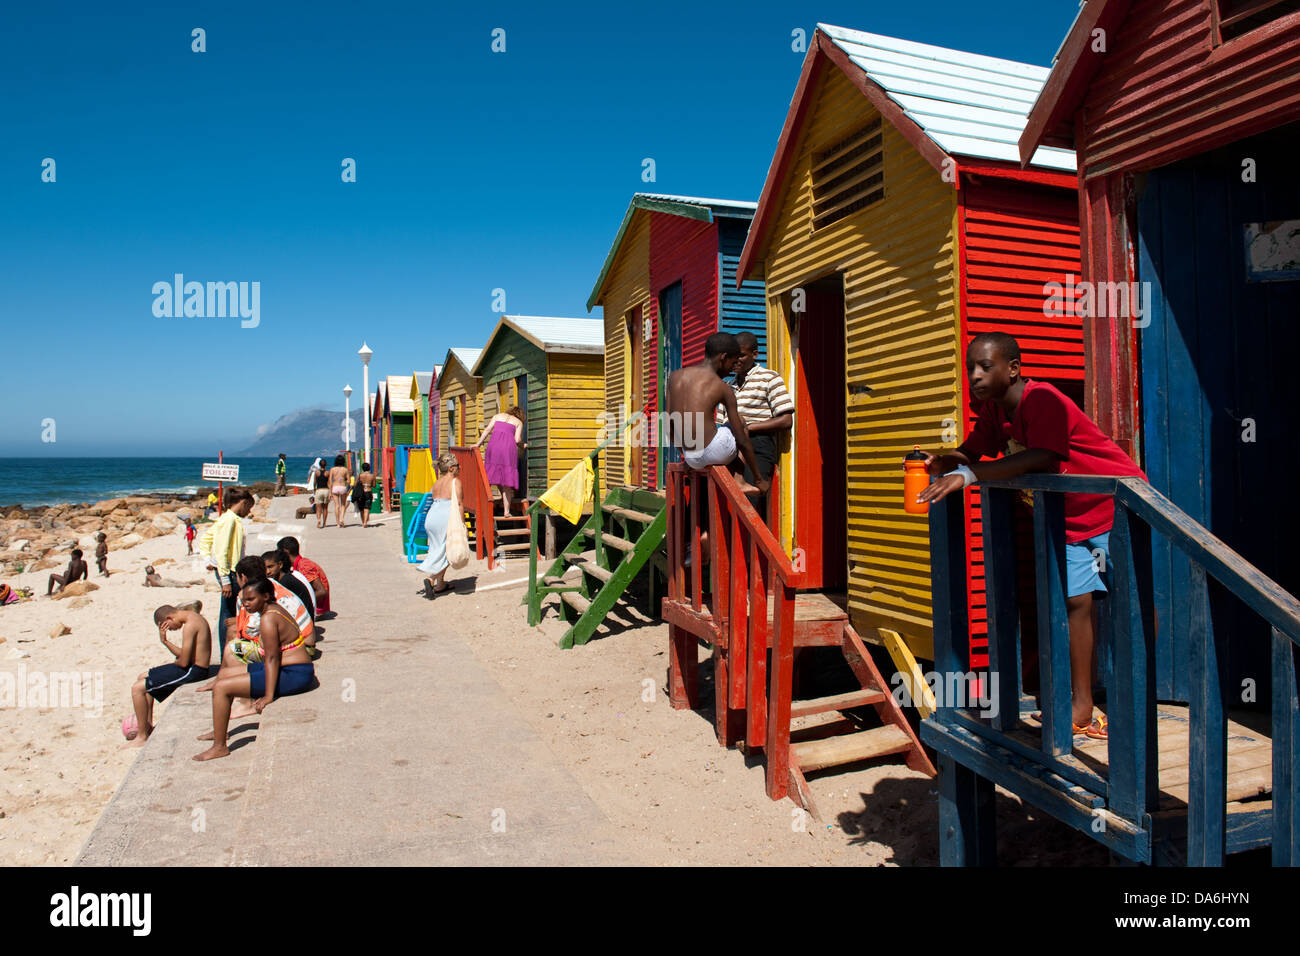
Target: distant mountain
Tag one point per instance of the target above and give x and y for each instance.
(306, 432)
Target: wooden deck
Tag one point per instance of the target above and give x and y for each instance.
(818, 619)
(1250, 762)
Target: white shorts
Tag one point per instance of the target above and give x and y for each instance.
(720, 451)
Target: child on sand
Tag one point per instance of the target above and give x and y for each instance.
(189, 536)
(1039, 429)
(190, 666)
(101, 553)
(77, 570)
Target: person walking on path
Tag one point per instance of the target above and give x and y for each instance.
(280, 489)
(446, 496)
(228, 551)
(768, 411)
(504, 435)
(321, 496)
(363, 493)
(338, 482)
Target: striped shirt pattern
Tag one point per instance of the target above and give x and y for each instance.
(763, 396)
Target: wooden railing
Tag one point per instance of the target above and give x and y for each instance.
(748, 572)
(1130, 785)
(477, 498)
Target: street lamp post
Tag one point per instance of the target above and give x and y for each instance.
(347, 420)
(365, 354)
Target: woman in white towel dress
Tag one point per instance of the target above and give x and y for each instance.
(446, 494)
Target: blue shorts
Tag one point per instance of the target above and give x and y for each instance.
(293, 679)
(1084, 567)
(163, 680)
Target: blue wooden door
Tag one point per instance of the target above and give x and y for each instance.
(670, 358)
(1216, 359)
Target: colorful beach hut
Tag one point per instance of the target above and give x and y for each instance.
(460, 399)
(895, 224)
(553, 369)
(667, 284)
(421, 382)
(1185, 115)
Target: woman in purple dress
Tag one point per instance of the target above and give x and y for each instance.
(504, 437)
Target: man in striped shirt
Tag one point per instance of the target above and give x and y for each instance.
(764, 404)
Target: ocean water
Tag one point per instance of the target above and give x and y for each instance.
(52, 481)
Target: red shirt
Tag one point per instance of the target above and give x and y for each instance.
(1048, 419)
(313, 572)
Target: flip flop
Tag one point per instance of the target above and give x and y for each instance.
(130, 727)
(1095, 730)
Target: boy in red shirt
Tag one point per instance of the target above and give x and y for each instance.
(1039, 429)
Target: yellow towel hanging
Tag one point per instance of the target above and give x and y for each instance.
(567, 496)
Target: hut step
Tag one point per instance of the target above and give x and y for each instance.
(575, 601)
(850, 748)
(589, 566)
(629, 514)
(823, 705)
(613, 540)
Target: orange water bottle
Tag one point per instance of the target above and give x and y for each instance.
(915, 480)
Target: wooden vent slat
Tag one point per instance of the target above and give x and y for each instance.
(848, 176)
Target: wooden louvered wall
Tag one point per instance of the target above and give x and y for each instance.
(1016, 238)
(575, 397)
(743, 309)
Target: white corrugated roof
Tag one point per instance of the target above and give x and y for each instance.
(970, 105)
(422, 380)
(399, 394)
(467, 357)
(552, 335)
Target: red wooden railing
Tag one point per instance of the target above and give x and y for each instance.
(477, 498)
(748, 568)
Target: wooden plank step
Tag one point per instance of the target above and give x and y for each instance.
(833, 751)
(822, 705)
(553, 579)
(588, 566)
(614, 541)
(575, 601)
(512, 532)
(631, 515)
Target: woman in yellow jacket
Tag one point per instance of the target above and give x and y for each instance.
(227, 550)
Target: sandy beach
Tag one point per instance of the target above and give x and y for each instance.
(60, 760)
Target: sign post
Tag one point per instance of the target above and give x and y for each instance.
(220, 473)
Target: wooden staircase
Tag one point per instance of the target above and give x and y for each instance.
(748, 608)
(593, 572)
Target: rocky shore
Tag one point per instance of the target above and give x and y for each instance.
(37, 538)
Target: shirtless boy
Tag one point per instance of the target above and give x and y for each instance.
(694, 393)
(101, 553)
(77, 569)
(285, 668)
(191, 665)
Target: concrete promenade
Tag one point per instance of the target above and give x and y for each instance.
(409, 752)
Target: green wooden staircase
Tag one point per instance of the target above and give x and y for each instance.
(621, 538)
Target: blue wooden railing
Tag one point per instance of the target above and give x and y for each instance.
(976, 752)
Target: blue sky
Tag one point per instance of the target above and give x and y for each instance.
(475, 170)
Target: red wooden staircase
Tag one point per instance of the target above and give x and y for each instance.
(746, 605)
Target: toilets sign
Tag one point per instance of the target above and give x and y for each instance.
(220, 472)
